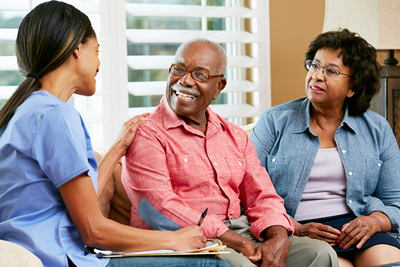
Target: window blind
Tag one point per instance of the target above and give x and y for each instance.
(247, 49)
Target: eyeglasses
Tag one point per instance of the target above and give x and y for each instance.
(314, 66)
(198, 75)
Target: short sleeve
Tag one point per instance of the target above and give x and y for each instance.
(60, 145)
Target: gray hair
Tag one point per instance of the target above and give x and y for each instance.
(221, 51)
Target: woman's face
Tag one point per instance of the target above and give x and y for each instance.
(88, 67)
(328, 92)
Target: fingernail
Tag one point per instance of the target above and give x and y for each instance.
(337, 241)
(340, 246)
(344, 247)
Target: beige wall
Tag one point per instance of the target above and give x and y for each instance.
(291, 31)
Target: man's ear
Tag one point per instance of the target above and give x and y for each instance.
(221, 85)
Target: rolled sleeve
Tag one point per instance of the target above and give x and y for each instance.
(263, 206)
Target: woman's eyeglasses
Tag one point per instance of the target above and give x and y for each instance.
(314, 66)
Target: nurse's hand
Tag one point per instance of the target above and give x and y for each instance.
(317, 231)
(128, 131)
(362, 228)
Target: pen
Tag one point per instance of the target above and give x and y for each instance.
(203, 215)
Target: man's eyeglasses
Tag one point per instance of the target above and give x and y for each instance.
(198, 75)
(314, 66)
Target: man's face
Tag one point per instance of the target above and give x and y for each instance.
(190, 98)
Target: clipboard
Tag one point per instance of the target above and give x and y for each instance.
(215, 249)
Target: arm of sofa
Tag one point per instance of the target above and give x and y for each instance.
(14, 255)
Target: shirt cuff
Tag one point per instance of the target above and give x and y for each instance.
(213, 227)
(261, 224)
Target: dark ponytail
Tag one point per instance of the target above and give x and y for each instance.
(47, 36)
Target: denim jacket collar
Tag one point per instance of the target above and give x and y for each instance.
(303, 119)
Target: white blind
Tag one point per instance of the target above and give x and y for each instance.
(125, 75)
(234, 36)
(102, 120)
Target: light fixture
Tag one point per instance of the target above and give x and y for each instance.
(378, 22)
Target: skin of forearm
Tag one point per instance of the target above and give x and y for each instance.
(384, 224)
(107, 166)
(114, 236)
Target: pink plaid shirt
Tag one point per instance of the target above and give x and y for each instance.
(181, 172)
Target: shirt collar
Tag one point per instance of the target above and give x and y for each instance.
(303, 118)
(172, 120)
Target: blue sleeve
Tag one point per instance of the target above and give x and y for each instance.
(59, 146)
(386, 198)
(263, 138)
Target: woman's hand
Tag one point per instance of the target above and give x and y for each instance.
(188, 238)
(117, 150)
(317, 231)
(362, 228)
(128, 131)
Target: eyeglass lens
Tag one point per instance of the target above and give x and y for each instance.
(315, 67)
(198, 75)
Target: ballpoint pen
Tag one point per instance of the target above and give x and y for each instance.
(203, 215)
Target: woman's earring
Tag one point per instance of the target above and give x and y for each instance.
(79, 56)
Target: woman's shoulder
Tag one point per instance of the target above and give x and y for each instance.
(288, 108)
(372, 118)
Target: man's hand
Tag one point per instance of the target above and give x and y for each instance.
(239, 243)
(274, 251)
(317, 231)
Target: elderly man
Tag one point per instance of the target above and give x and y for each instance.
(185, 158)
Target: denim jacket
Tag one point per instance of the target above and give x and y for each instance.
(367, 147)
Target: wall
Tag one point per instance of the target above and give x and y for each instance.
(293, 25)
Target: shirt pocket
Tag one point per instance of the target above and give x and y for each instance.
(373, 169)
(189, 178)
(278, 169)
(237, 167)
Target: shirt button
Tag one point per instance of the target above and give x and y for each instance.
(236, 131)
(240, 164)
(350, 173)
(350, 201)
(274, 159)
(215, 164)
(185, 159)
(343, 151)
(379, 164)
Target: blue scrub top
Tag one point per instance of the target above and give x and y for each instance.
(45, 145)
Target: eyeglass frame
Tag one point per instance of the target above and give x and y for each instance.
(323, 68)
(191, 73)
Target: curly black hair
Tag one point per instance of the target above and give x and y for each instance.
(360, 57)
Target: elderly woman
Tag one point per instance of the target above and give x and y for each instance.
(334, 162)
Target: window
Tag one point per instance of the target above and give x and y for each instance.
(156, 28)
(138, 40)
